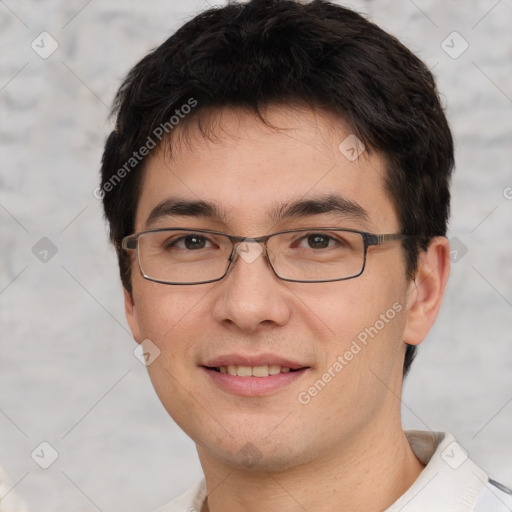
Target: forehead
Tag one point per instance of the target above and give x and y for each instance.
(250, 171)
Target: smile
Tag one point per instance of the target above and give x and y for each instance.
(253, 371)
(254, 381)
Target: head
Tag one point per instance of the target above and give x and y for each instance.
(249, 107)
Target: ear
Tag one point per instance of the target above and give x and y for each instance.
(426, 290)
(131, 315)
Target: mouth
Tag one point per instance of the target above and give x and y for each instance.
(254, 376)
(261, 371)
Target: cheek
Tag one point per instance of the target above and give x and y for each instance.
(362, 322)
(362, 357)
(168, 316)
(345, 308)
(173, 320)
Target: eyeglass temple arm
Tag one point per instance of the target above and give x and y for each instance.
(129, 243)
(381, 239)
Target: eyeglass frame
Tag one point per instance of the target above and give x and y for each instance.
(131, 243)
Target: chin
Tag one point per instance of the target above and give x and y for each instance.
(256, 456)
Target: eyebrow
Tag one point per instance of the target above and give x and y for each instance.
(331, 203)
(186, 208)
(300, 208)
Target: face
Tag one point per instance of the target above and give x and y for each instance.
(343, 340)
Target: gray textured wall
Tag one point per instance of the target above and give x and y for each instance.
(67, 372)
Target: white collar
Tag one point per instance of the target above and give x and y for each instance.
(450, 482)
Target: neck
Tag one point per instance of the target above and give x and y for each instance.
(370, 473)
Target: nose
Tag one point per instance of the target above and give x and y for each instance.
(251, 295)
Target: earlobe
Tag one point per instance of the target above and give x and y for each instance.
(426, 290)
(131, 315)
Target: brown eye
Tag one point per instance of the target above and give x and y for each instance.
(195, 242)
(318, 241)
(192, 241)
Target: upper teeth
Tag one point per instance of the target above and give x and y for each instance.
(254, 371)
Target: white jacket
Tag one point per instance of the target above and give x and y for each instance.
(450, 482)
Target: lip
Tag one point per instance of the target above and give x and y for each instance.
(253, 360)
(253, 386)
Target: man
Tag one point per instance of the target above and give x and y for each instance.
(277, 189)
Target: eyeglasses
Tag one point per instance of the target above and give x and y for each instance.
(197, 256)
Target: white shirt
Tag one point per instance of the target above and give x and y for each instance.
(450, 482)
